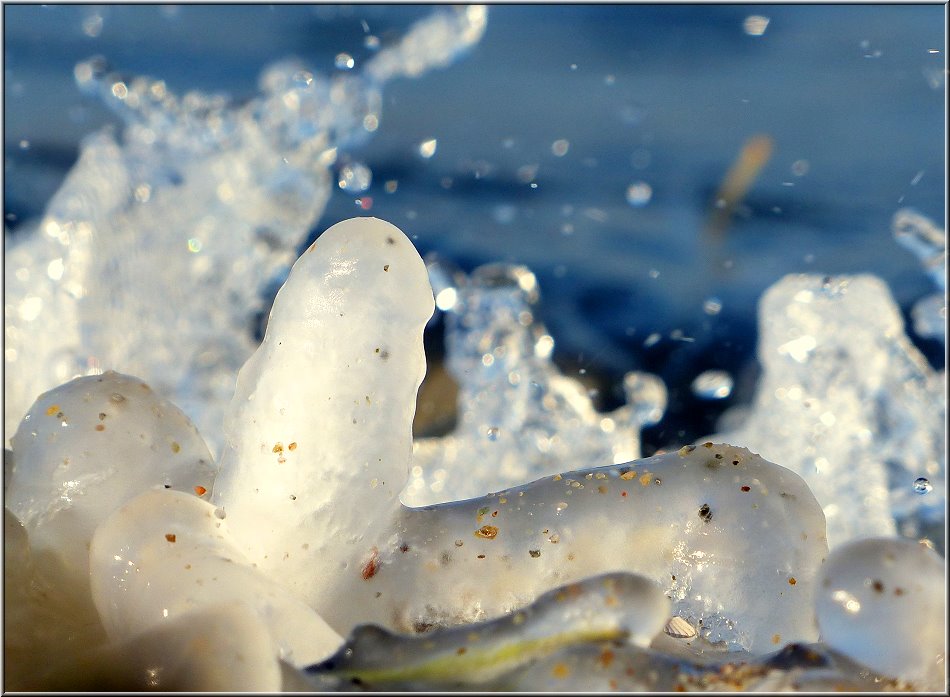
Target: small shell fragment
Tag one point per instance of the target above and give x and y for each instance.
(678, 628)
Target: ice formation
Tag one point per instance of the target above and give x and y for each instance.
(847, 402)
(87, 447)
(166, 554)
(305, 540)
(219, 649)
(220, 192)
(611, 607)
(319, 448)
(869, 584)
(517, 411)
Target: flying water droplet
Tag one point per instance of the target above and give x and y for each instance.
(712, 384)
(427, 147)
(355, 177)
(492, 433)
(712, 306)
(646, 394)
(344, 61)
(922, 486)
(303, 78)
(639, 194)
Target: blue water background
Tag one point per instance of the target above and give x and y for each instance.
(662, 94)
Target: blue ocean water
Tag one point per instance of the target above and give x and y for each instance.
(542, 130)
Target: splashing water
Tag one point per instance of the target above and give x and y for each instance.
(537, 420)
(220, 192)
(928, 242)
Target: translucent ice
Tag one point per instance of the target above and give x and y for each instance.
(214, 649)
(323, 410)
(87, 447)
(166, 554)
(849, 403)
(883, 602)
(46, 618)
(319, 447)
(621, 607)
(187, 220)
(517, 412)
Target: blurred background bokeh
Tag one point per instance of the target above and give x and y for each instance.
(590, 143)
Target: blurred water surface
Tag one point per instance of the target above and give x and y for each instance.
(585, 141)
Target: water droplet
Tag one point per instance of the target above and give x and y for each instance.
(344, 61)
(639, 194)
(446, 300)
(492, 433)
(303, 78)
(712, 384)
(427, 148)
(371, 42)
(92, 25)
(646, 394)
(560, 147)
(755, 25)
(712, 305)
(922, 486)
(355, 177)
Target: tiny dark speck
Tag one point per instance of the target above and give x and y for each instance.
(705, 513)
(390, 240)
(534, 553)
(386, 267)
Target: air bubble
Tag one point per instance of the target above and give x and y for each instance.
(492, 433)
(922, 486)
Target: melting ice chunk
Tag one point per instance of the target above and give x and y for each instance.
(320, 433)
(166, 554)
(87, 447)
(215, 649)
(883, 602)
(617, 606)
